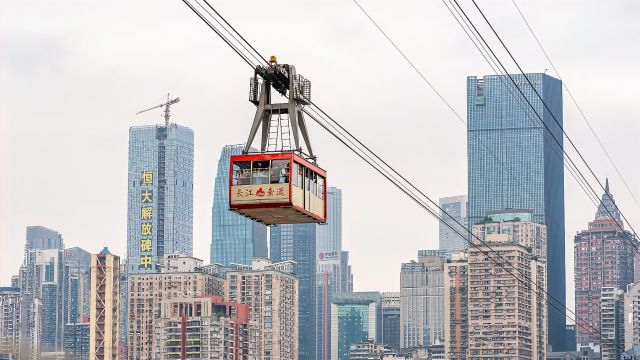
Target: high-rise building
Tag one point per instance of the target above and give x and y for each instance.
(270, 290)
(77, 340)
(612, 323)
(355, 317)
(202, 327)
(104, 306)
(390, 308)
(42, 277)
(515, 163)
(345, 274)
(456, 209)
(160, 195)
(40, 237)
(329, 236)
(507, 318)
(456, 319)
(333, 273)
(77, 291)
(422, 300)
(59, 279)
(297, 243)
(20, 325)
(603, 259)
(632, 314)
(235, 238)
(180, 275)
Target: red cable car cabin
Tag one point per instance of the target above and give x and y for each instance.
(278, 188)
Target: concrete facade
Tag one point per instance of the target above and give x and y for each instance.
(180, 276)
(506, 316)
(422, 300)
(456, 307)
(202, 327)
(604, 258)
(270, 290)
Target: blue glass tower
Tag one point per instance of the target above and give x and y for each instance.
(355, 318)
(513, 162)
(160, 194)
(297, 242)
(456, 208)
(235, 239)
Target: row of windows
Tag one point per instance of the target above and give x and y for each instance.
(262, 172)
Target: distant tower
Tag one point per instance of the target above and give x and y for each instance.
(160, 195)
(456, 208)
(422, 300)
(604, 258)
(513, 163)
(235, 239)
(104, 311)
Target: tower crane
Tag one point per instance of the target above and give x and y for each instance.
(166, 105)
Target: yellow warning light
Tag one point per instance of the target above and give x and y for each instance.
(272, 59)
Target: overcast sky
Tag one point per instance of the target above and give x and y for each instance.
(74, 73)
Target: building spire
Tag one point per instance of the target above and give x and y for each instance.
(607, 207)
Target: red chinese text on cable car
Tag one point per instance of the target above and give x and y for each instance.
(280, 184)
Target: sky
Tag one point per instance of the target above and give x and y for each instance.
(74, 73)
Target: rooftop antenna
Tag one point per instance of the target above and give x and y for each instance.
(166, 105)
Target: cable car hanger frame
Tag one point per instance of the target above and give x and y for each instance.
(284, 79)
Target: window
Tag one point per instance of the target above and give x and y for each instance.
(241, 173)
(279, 171)
(294, 174)
(306, 179)
(321, 187)
(312, 178)
(300, 175)
(260, 172)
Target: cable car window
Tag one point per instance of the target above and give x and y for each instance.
(321, 187)
(294, 174)
(241, 173)
(260, 172)
(307, 184)
(314, 187)
(300, 175)
(279, 171)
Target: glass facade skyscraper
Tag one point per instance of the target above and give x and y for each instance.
(333, 273)
(297, 242)
(514, 163)
(160, 195)
(235, 238)
(355, 317)
(40, 237)
(456, 208)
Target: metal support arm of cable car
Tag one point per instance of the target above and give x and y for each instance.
(284, 80)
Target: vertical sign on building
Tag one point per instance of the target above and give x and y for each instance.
(146, 220)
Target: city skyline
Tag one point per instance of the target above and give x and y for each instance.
(91, 233)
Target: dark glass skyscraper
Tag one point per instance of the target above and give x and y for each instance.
(456, 208)
(235, 238)
(297, 242)
(160, 194)
(513, 162)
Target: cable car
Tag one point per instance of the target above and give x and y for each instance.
(280, 184)
(279, 188)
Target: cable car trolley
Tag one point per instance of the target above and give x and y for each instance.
(280, 184)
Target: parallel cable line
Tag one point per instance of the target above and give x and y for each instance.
(575, 102)
(556, 121)
(397, 183)
(506, 86)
